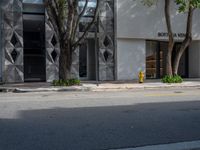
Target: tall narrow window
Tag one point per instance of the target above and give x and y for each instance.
(154, 59)
(33, 1)
(151, 59)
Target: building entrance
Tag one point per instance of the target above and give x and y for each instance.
(183, 69)
(34, 47)
(87, 63)
(155, 59)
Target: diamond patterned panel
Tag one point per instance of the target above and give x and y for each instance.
(52, 51)
(54, 55)
(106, 55)
(13, 39)
(106, 40)
(14, 55)
(54, 41)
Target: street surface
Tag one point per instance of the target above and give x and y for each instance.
(98, 120)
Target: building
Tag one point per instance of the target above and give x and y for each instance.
(142, 40)
(128, 37)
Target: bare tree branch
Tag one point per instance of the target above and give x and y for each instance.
(89, 26)
(53, 16)
(78, 20)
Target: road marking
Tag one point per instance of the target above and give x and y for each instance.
(165, 94)
(174, 146)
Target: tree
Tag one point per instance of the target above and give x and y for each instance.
(65, 16)
(168, 65)
(185, 6)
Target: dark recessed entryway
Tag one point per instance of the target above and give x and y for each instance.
(87, 60)
(34, 47)
(156, 52)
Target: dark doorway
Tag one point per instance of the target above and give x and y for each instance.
(87, 61)
(183, 69)
(34, 47)
(155, 59)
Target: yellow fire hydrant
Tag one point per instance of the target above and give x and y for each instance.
(141, 77)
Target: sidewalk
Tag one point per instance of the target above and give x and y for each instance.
(100, 86)
(192, 145)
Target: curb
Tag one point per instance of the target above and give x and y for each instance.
(145, 87)
(95, 88)
(28, 90)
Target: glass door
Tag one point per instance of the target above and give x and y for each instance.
(183, 65)
(154, 59)
(34, 47)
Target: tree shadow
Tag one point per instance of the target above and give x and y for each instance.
(101, 127)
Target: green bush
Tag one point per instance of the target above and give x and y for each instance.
(69, 82)
(172, 79)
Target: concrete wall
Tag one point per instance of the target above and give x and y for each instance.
(194, 61)
(130, 58)
(1, 51)
(136, 23)
(2, 3)
(134, 20)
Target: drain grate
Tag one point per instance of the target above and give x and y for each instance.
(178, 92)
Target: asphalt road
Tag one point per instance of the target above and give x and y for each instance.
(98, 120)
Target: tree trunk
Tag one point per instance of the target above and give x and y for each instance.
(179, 54)
(65, 61)
(186, 42)
(168, 65)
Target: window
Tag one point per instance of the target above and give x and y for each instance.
(88, 15)
(154, 58)
(90, 7)
(33, 1)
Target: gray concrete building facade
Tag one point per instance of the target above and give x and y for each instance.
(30, 49)
(127, 38)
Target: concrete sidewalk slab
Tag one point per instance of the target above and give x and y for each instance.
(92, 86)
(193, 145)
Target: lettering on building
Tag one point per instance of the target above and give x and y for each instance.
(165, 34)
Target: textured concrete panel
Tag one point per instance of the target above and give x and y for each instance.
(13, 41)
(1, 50)
(52, 51)
(106, 40)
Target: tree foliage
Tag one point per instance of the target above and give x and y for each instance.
(184, 5)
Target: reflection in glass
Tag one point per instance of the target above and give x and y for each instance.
(154, 59)
(84, 22)
(90, 7)
(151, 59)
(33, 1)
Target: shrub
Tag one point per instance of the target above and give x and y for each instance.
(69, 82)
(172, 79)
